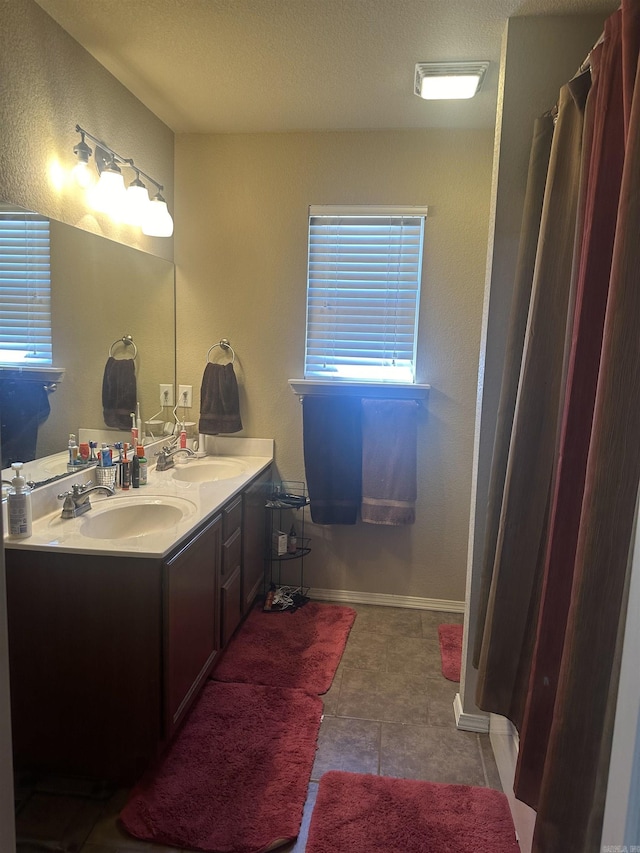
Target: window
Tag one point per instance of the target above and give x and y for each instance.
(25, 288)
(364, 272)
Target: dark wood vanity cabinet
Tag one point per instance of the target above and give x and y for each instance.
(107, 653)
(254, 536)
(85, 662)
(191, 635)
(231, 570)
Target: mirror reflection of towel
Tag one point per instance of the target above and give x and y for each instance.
(389, 451)
(24, 405)
(219, 400)
(119, 394)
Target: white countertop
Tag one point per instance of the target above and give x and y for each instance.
(199, 501)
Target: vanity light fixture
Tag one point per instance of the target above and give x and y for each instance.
(131, 205)
(448, 80)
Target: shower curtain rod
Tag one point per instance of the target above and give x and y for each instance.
(587, 62)
(584, 66)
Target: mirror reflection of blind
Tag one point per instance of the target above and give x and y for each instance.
(25, 288)
(363, 294)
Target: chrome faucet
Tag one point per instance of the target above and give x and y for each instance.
(165, 456)
(76, 501)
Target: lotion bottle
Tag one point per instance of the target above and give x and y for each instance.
(19, 505)
(142, 461)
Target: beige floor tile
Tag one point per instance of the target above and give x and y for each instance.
(440, 696)
(347, 744)
(393, 696)
(392, 621)
(432, 754)
(366, 650)
(414, 655)
(330, 698)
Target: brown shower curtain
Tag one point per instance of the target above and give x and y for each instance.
(557, 584)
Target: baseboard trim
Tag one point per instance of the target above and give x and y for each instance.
(504, 742)
(469, 722)
(385, 600)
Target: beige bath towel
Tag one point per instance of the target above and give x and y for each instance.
(389, 448)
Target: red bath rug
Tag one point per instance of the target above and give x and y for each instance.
(357, 813)
(300, 649)
(235, 778)
(450, 650)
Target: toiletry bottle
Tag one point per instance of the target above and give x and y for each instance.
(292, 541)
(142, 460)
(19, 505)
(135, 471)
(84, 453)
(73, 449)
(125, 471)
(106, 460)
(183, 438)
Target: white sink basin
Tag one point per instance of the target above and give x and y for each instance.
(209, 470)
(127, 518)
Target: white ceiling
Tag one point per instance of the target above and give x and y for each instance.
(229, 66)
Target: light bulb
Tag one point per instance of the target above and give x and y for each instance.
(82, 174)
(157, 221)
(109, 194)
(136, 203)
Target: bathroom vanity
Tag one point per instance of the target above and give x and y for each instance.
(112, 638)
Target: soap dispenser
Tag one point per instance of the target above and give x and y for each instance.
(19, 505)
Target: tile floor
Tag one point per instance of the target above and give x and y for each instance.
(389, 711)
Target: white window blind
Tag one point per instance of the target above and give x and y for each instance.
(364, 274)
(25, 288)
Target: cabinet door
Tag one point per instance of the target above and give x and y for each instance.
(191, 632)
(254, 538)
(230, 614)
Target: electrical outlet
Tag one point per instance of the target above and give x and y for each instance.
(166, 395)
(185, 396)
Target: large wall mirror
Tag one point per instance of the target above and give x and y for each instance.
(101, 292)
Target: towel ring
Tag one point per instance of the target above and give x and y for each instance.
(223, 344)
(127, 340)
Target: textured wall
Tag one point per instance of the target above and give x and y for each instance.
(48, 84)
(241, 240)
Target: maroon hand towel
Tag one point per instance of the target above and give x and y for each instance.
(219, 400)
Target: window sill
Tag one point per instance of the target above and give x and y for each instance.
(36, 374)
(386, 390)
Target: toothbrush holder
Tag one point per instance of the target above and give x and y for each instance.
(106, 476)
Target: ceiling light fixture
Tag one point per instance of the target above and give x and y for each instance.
(448, 80)
(132, 205)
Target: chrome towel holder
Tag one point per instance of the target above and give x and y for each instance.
(127, 340)
(224, 345)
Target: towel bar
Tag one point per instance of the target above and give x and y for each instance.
(223, 344)
(127, 340)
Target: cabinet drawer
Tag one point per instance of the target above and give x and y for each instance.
(231, 518)
(232, 553)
